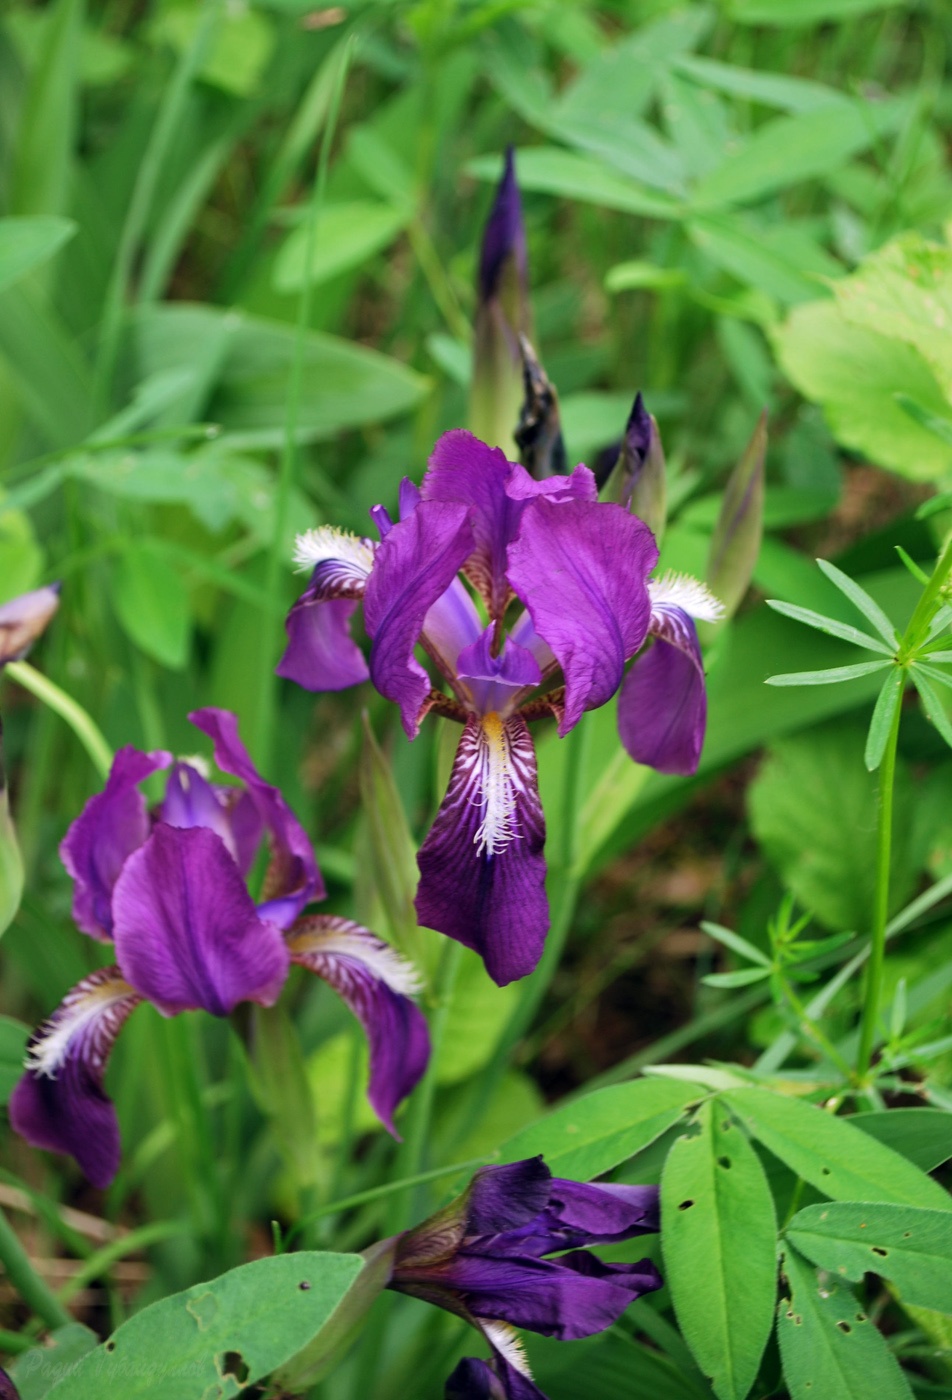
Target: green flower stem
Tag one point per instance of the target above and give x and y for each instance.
(926, 606)
(27, 1281)
(79, 720)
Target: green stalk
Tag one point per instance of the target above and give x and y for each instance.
(27, 1281)
(267, 692)
(79, 720)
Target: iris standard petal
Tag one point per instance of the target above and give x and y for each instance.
(293, 879)
(586, 1213)
(321, 655)
(482, 871)
(191, 800)
(581, 570)
(507, 1197)
(60, 1104)
(110, 827)
(377, 985)
(22, 620)
(187, 933)
(414, 566)
(662, 708)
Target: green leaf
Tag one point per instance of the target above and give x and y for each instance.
(933, 705)
(828, 1346)
(346, 236)
(38, 1369)
(735, 942)
(27, 243)
(47, 126)
(909, 1245)
(198, 1342)
(780, 262)
(772, 89)
(13, 1038)
(735, 543)
(151, 602)
(11, 862)
(477, 1016)
(924, 1135)
(744, 977)
(792, 12)
(639, 275)
(884, 712)
(719, 1240)
(585, 1138)
(935, 423)
(833, 675)
(832, 1155)
(829, 625)
(862, 601)
(551, 170)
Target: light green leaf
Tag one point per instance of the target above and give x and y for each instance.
(933, 705)
(833, 675)
(13, 1038)
(151, 602)
(199, 1342)
(551, 170)
(719, 1240)
(743, 977)
(828, 1345)
(780, 261)
(909, 1245)
(585, 1138)
(639, 275)
(935, 423)
(862, 601)
(924, 1135)
(772, 89)
(830, 625)
(832, 1155)
(240, 49)
(733, 940)
(792, 12)
(47, 125)
(884, 712)
(27, 243)
(477, 1016)
(38, 1369)
(346, 236)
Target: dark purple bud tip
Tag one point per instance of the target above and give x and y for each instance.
(8, 1390)
(638, 431)
(504, 236)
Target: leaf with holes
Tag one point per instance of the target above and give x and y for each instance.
(910, 1246)
(719, 1241)
(828, 1346)
(831, 1154)
(216, 1338)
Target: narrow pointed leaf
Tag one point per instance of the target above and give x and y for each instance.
(832, 676)
(829, 625)
(744, 977)
(861, 599)
(735, 942)
(718, 1238)
(933, 705)
(883, 714)
(828, 1345)
(910, 1246)
(933, 672)
(11, 863)
(735, 544)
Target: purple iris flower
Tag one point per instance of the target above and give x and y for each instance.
(22, 620)
(169, 888)
(508, 585)
(485, 1258)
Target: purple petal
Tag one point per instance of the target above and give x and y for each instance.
(187, 934)
(496, 1380)
(662, 708)
(451, 625)
(581, 570)
(59, 1104)
(8, 1390)
(607, 1213)
(321, 654)
(294, 879)
(482, 871)
(506, 1197)
(414, 566)
(110, 827)
(22, 620)
(190, 800)
(497, 683)
(376, 984)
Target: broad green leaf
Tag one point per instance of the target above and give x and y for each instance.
(38, 1370)
(590, 1136)
(151, 602)
(910, 1246)
(935, 423)
(551, 170)
(719, 1241)
(779, 261)
(787, 150)
(833, 675)
(832, 1155)
(862, 601)
(47, 369)
(856, 374)
(240, 49)
(198, 1343)
(26, 243)
(791, 12)
(924, 1135)
(21, 558)
(830, 625)
(884, 712)
(47, 126)
(772, 89)
(477, 1015)
(828, 1345)
(13, 1038)
(346, 236)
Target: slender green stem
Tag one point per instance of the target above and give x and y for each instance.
(103, 1260)
(79, 720)
(925, 608)
(287, 470)
(31, 1288)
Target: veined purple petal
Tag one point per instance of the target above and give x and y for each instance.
(497, 683)
(191, 800)
(451, 625)
(60, 1104)
(377, 984)
(414, 566)
(662, 708)
(22, 620)
(482, 871)
(294, 879)
(581, 570)
(579, 485)
(321, 655)
(507, 1197)
(581, 1214)
(110, 827)
(187, 934)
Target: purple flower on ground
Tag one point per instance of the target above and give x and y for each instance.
(509, 585)
(485, 1258)
(22, 620)
(169, 888)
